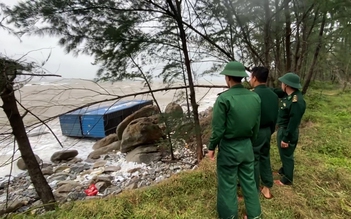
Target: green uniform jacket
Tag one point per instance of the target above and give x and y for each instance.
(269, 107)
(236, 115)
(292, 108)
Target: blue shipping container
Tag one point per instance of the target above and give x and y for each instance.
(101, 122)
(71, 122)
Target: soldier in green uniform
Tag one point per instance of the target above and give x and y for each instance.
(292, 108)
(269, 114)
(235, 124)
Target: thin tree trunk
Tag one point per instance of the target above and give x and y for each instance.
(297, 37)
(288, 35)
(303, 48)
(267, 26)
(177, 11)
(315, 57)
(40, 184)
(277, 29)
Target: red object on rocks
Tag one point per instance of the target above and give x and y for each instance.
(91, 191)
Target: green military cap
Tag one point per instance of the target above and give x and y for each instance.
(291, 79)
(235, 69)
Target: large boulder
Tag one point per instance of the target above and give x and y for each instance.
(174, 116)
(105, 141)
(174, 109)
(143, 112)
(115, 146)
(140, 131)
(144, 154)
(64, 155)
(22, 166)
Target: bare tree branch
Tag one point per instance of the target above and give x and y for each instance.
(58, 140)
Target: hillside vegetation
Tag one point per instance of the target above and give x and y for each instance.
(321, 190)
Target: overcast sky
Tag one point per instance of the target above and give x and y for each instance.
(60, 63)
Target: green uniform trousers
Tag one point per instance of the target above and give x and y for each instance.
(287, 156)
(261, 147)
(235, 161)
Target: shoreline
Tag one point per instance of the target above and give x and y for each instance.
(50, 99)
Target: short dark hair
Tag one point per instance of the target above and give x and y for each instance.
(261, 73)
(236, 79)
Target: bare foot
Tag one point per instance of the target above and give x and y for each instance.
(279, 183)
(266, 192)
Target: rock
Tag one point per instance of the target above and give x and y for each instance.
(104, 178)
(74, 196)
(79, 167)
(113, 190)
(138, 132)
(105, 141)
(61, 168)
(131, 186)
(64, 155)
(65, 182)
(60, 197)
(143, 112)
(45, 165)
(174, 109)
(112, 169)
(157, 119)
(68, 187)
(104, 150)
(22, 166)
(58, 177)
(89, 160)
(99, 163)
(47, 170)
(102, 186)
(144, 154)
(134, 170)
(13, 205)
(75, 160)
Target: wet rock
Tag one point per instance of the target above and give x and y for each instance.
(74, 196)
(47, 170)
(140, 132)
(22, 166)
(146, 111)
(99, 163)
(102, 186)
(61, 169)
(115, 146)
(174, 109)
(144, 154)
(64, 155)
(13, 205)
(79, 167)
(112, 169)
(105, 141)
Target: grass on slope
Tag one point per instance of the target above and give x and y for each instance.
(322, 186)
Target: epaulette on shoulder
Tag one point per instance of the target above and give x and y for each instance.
(222, 92)
(294, 99)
